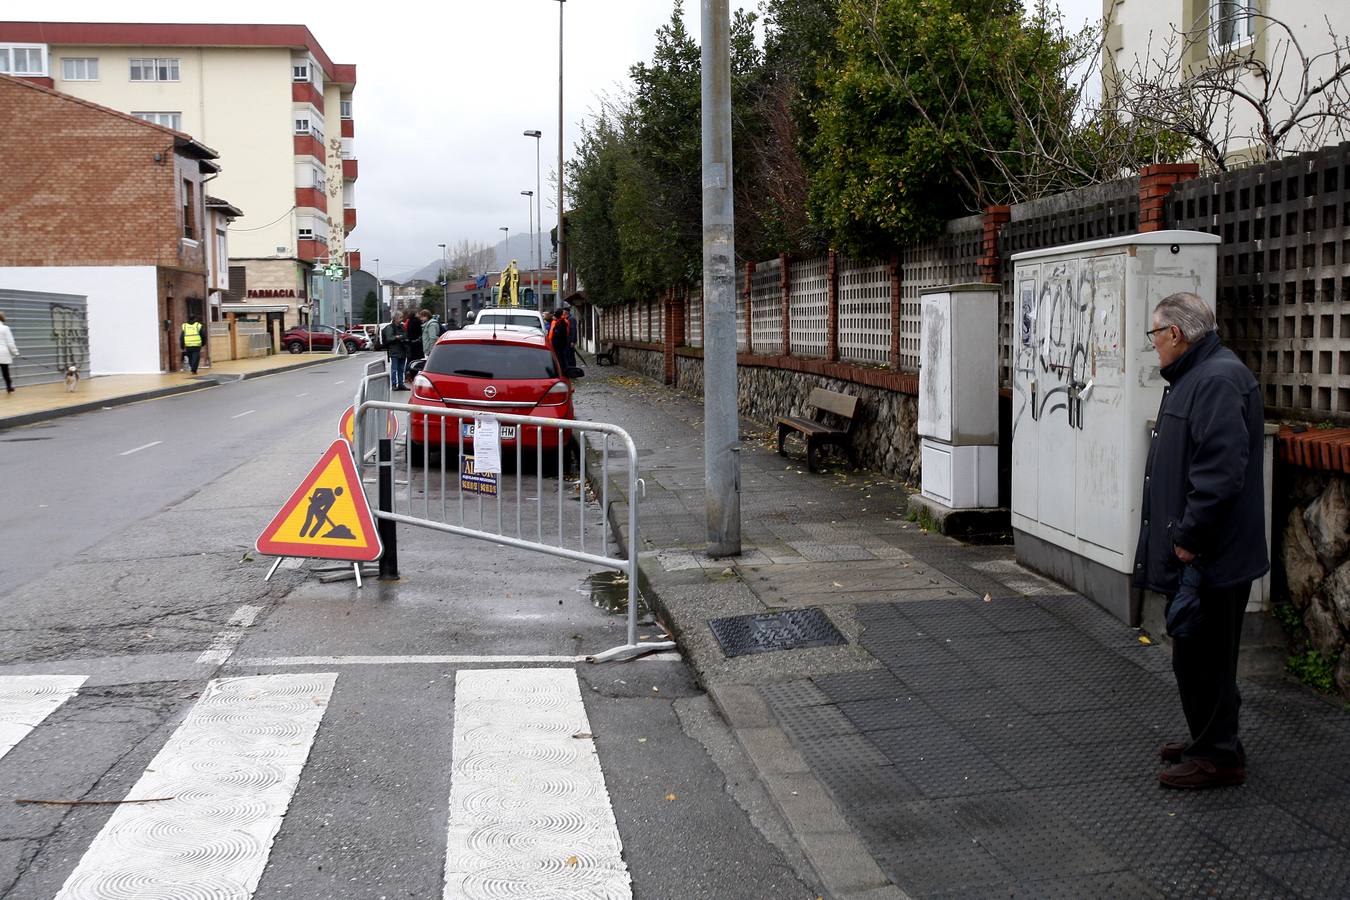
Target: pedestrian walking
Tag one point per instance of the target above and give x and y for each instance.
(191, 340)
(9, 351)
(431, 329)
(569, 338)
(1202, 537)
(396, 348)
(557, 338)
(412, 329)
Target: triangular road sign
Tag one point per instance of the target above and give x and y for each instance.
(347, 424)
(327, 517)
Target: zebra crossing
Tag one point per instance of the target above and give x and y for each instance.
(528, 811)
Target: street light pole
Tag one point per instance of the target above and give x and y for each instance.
(445, 286)
(529, 204)
(721, 428)
(557, 300)
(538, 201)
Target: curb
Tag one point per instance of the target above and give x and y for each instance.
(840, 861)
(44, 415)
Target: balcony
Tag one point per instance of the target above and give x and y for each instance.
(309, 145)
(313, 198)
(306, 92)
(354, 259)
(349, 170)
(348, 219)
(348, 129)
(311, 250)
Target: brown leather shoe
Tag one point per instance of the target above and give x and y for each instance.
(1198, 774)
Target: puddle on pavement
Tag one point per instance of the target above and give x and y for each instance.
(608, 591)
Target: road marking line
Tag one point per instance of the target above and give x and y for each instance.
(529, 812)
(274, 661)
(305, 394)
(229, 770)
(25, 700)
(225, 641)
(344, 381)
(247, 412)
(140, 448)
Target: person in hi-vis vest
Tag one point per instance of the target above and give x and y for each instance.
(194, 333)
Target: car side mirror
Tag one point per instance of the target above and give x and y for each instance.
(414, 368)
(576, 372)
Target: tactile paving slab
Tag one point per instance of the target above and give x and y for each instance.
(791, 629)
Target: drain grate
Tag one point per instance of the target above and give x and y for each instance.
(789, 630)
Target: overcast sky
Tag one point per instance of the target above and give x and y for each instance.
(443, 93)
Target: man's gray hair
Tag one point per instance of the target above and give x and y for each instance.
(1189, 312)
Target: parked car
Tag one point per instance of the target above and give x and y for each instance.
(509, 316)
(510, 371)
(321, 337)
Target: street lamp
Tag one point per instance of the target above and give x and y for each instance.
(529, 203)
(557, 300)
(445, 286)
(538, 200)
(501, 282)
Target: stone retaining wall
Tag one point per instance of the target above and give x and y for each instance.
(1315, 553)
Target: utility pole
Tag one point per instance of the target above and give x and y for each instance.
(721, 450)
(557, 299)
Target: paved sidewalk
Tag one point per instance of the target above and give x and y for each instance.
(35, 403)
(984, 732)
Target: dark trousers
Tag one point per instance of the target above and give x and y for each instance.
(1206, 668)
(194, 355)
(4, 369)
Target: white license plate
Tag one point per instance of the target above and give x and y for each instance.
(508, 431)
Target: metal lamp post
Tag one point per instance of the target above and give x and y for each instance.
(529, 203)
(445, 285)
(557, 300)
(538, 200)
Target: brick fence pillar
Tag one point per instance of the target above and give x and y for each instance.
(1155, 184)
(785, 283)
(832, 309)
(893, 269)
(674, 331)
(749, 309)
(991, 265)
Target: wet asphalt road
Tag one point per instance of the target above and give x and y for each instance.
(125, 567)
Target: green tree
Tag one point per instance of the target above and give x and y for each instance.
(594, 179)
(370, 311)
(433, 298)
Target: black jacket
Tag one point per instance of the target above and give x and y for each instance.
(413, 337)
(1203, 484)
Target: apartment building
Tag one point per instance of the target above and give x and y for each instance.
(1171, 42)
(266, 97)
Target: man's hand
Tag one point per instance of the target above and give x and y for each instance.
(1183, 554)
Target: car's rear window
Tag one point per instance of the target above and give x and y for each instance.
(511, 319)
(497, 361)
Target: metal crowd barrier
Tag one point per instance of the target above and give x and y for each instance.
(471, 504)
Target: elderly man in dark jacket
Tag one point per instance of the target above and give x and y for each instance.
(1204, 518)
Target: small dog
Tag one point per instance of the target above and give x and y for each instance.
(72, 378)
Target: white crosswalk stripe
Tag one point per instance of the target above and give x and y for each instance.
(529, 812)
(214, 797)
(25, 700)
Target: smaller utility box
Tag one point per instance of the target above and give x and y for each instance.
(958, 395)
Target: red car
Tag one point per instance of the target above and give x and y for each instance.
(321, 337)
(512, 372)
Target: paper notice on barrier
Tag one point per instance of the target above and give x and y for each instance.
(487, 445)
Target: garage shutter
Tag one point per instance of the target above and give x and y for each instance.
(51, 331)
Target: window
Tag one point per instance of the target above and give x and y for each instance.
(301, 125)
(320, 177)
(23, 59)
(189, 219)
(305, 234)
(1230, 24)
(498, 362)
(79, 69)
(147, 69)
(221, 248)
(346, 108)
(300, 72)
(172, 120)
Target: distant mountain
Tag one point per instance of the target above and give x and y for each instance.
(521, 249)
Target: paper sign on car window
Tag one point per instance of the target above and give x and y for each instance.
(487, 445)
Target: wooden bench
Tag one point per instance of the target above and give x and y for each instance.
(831, 422)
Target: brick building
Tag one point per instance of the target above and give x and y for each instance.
(100, 205)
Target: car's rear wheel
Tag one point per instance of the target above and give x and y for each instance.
(295, 347)
(352, 346)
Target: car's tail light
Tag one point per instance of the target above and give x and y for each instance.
(557, 395)
(423, 389)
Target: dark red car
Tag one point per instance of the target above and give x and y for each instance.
(321, 337)
(512, 372)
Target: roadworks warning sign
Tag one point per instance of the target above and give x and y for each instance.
(327, 517)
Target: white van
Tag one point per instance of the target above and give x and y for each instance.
(513, 318)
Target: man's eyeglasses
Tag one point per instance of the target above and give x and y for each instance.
(1148, 335)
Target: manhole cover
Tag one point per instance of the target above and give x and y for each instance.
(788, 630)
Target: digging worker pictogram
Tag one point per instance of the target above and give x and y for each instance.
(320, 502)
